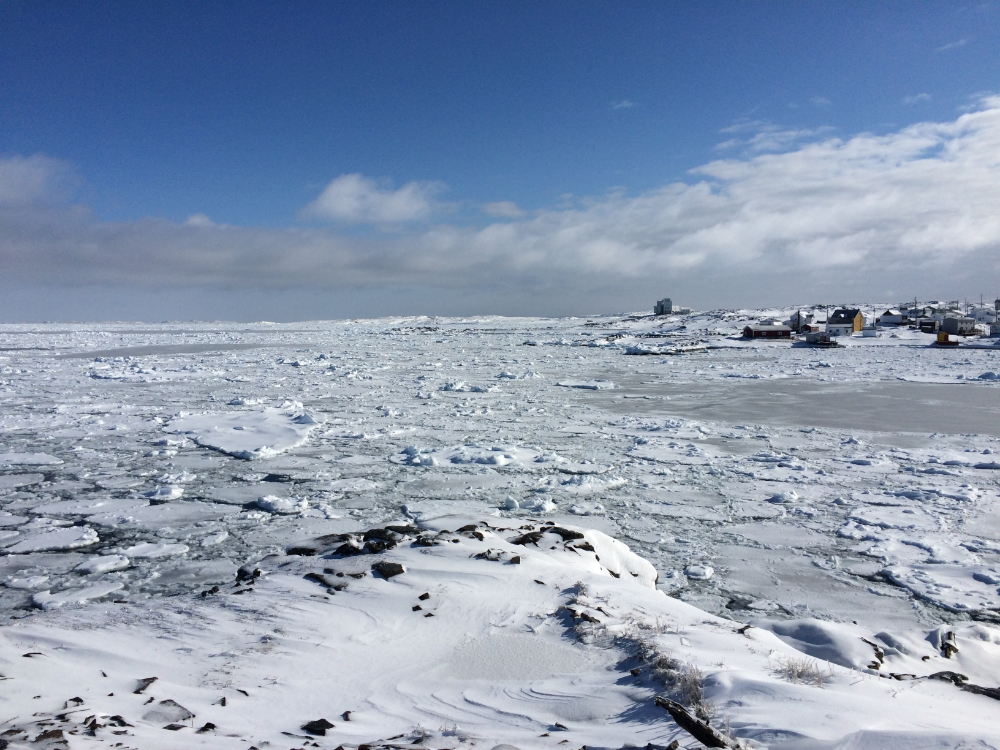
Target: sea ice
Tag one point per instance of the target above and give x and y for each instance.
(249, 434)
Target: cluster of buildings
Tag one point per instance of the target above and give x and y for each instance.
(666, 307)
(943, 319)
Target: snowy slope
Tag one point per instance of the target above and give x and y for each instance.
(530, 635)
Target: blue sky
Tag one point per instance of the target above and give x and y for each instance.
(471, 157)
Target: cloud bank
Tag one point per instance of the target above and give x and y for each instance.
(920, 206)
(356, 199)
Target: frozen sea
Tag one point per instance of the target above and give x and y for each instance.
(811, 481)
(857, 485)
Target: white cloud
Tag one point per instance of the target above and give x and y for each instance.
(767, 136)
(954, 45)
(914, 209)
(38, 179)
(356, 199)
(820, 101)
(623, 104)
(199, 220)
(916, 98)
(503, 209)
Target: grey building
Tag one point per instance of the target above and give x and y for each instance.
(959, 326)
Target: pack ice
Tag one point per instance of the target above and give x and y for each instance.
(255, 513)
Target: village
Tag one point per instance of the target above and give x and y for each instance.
(826, 325)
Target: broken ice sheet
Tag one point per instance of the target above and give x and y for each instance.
(249, 434)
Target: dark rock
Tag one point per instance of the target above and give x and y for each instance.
(385, 535)
(378, 546)
(388, 569)
(209, 727)
(247, 573)
(317, 727)
(469, 527)
(328, 539)
(416, 608)
(422, 541)
(533, 537)
(424, 597)
(318, 578)
(52, 734)
(174, 727)
(144, 683)
(346, 715)
(404, 530)
(993, 693)
(301, 550)
(117, 721)
(515, 560)
(953, 677)
(349, 548)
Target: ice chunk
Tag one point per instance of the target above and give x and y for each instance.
(592, 385)
(165, 492)
(28, 583)
(539, 505)
(699, 572)
(958, 587)
(56, 539)
(249, 434)
(13, 481)
(89, 506)
(788, 496)
(283, 505)
(158, 549)
(28, 459)
(103, 564)
(47, 600)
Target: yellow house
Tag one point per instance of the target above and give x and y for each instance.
(845, 321)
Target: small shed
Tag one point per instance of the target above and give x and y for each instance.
(959, 326)
(760, 331)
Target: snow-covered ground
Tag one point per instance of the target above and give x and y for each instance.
(845, 501)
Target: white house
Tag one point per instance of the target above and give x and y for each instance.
(893, 317)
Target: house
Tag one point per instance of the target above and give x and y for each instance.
(960, 326)
(762, 331)
(845, 321)
(893, 317)
(799, 320)
(928, 325)
(663, 307)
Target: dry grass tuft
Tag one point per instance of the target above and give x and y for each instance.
(802, 671)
